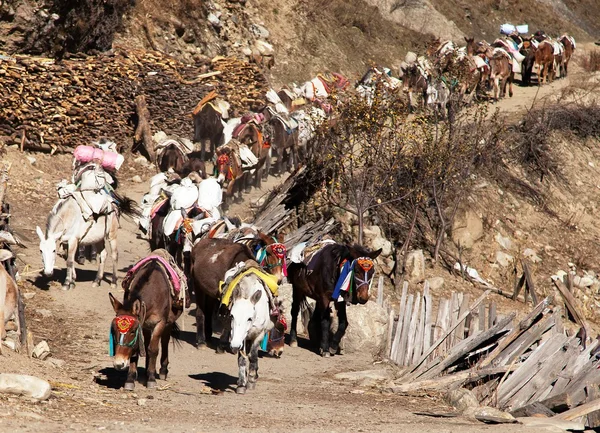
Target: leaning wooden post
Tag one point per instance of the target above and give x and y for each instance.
(380, 292)
(143, 133)
(3, 182)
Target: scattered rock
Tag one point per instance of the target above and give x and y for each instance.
(44, 313)
(504, 259)
(365, 374)
(415, 266)
(59, 363)
(31, 160)
(367, 328)
(489, 412)
(436, 283)
(504, 242)
(21, 384)
(141, 160)
(462, 399)
(142, 402)
(137, 179)
(259, 31)
(41, 350)
(213, 18)
(467, 229)
(28, 295)
(531, 255)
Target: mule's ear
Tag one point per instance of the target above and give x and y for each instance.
(5, 255)
(136, 307)
(256, 297)
(374, 254)
(116, 304)
(263, 237)
(40, 233)
(280, 237)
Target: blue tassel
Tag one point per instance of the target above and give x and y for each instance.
(111, 343)
(263, 343)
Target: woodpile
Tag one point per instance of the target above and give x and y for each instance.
(57, 105)
(535, 367)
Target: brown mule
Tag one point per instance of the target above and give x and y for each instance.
(251, 135)
(145, 318)
(544, 58)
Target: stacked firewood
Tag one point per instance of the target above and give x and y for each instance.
(46, 104)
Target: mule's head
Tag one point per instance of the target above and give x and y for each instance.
(224, 167)
(48, 250)
(244, 310)
(364, 271)
(273, 257)
(126, 338)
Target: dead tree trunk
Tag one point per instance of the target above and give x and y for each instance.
(143, 134)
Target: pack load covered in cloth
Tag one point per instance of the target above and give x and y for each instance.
(178, 286)
(234, 275)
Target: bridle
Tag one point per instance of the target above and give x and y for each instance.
(123, 324)
(279, 251)
(366, 264)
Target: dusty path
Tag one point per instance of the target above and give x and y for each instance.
(296, 393)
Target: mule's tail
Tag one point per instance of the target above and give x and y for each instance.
(176, 335)
(127, 206)
(306, 312)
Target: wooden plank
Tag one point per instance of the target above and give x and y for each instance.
(396, 343)
(573, 369)
(444, 382)
(405, 324)
(380, 291)
(593, 393)
(474, 323)
(529, 283)
(428, 318)
(518, 287)
(526, 340)
(533, 409)
(440, 323)
(481, 315)
(478, 301)
(485, 390)
(579, 411)
(560, 403)
(412, 330)
(390, 333)
(419, 333)
(492, 314)
(462, 349)
(454, 314)
(447, 324)
(573, 306)
(529, 368)
(464, 306)
(524, 324)
(550, 367)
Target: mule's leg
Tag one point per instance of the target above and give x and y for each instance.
(223, 343)
(200, 320)
(325, 325)
(114, 255)
(80, 256)
(253, 368)
(242, 372)
(131, 374)
(101, 264)
(295, 310)
(93, 254)
(511, 78)
(72, 250)
(152, 354)
(164, 353)
(341, 330)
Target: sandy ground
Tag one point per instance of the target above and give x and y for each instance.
(297, 393)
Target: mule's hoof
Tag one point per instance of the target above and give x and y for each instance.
(151, 384)
(220, 350)
(333, 351)
(94, 261)
(129, 386)
(324, 353)
(240, 390)
(113, 286)
(294, 343)
(69, 286)
(201, 345)
(251, 385)
(96, 283)
(162, 376)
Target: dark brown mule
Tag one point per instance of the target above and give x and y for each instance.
(544, 58)
(283, 140)
(210, 260)
(193, 164)
(569, 45)
(319, 278)
(252, 136)
(230, 172)
(172, 158)
(146, 318)
(414, 81)
(208, 127)
(528, 50)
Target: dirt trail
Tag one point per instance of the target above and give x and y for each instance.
(297, 392)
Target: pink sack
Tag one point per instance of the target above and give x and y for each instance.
(109, 160)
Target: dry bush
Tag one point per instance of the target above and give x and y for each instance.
(591, 63)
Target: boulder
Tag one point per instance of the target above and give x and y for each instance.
(504, 259)
(285, 295)
(374, 240)
(487, 412)
(462, 399)
(367, 328)
(436, 283)
(415, 266)
(21, 384)
(467, 229)
(530, 254)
